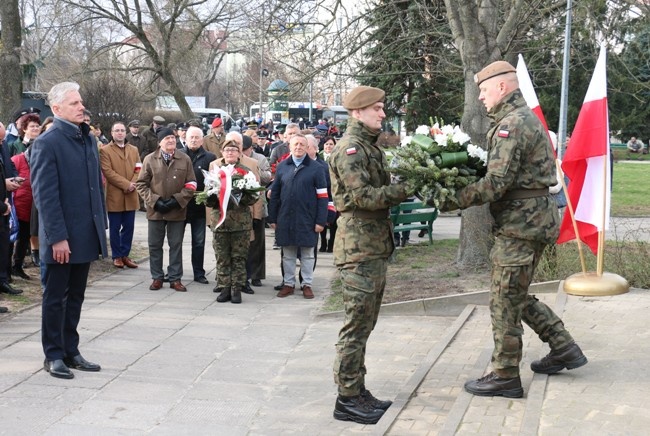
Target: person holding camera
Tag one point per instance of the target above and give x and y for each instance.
(166, 184)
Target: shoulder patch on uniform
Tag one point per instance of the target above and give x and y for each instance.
(351, 150)
(503, 133)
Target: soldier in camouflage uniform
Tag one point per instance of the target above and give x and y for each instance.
(232, 238)
(362, 193)
(520, 170)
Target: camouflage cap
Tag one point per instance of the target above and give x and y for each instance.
(363, 96)
(494, 69)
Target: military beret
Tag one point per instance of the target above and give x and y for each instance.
(158, 119)
(134, 123)
(163, 133)
(217, 122)
(363, 96)
(494, 69)
(25, 111)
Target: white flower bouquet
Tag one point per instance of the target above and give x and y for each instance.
(441, 160)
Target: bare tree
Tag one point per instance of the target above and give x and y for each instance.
(10, 72)
(160, 34)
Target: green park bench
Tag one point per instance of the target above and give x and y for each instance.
(419, 217)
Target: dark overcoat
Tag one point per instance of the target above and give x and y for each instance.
(68, 192)
(298, 202)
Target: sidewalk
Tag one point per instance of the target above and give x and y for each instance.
(180, 363)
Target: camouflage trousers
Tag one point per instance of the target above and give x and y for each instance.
(513, 266)
(231, 252)
(363, 289)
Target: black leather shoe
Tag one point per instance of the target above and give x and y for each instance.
(256, 282)
(569, 357)
(369, 398)
(201, 280)
(36, 257)
(18, 271)
(247, 289)
(492, 385)
(8, 289)
(357, 410)
(57, 368)
(3, 309)
(279, 287)
(78, 362)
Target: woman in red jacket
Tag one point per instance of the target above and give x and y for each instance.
(23, 197)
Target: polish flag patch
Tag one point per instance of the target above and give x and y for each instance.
(351, 150)
(321, 193)
(503, 133)
(138, 167)
(191, 185)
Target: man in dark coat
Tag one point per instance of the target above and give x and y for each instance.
(298, 213)
(196, 216)
(69, 196)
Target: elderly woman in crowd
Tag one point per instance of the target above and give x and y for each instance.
(29, 127)
(232, 238)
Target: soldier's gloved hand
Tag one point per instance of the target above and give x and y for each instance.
(160, 206)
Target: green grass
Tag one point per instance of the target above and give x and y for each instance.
(630, 193)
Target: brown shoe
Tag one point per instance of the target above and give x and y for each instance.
(156, 284)
(178, 286)
(117, 262)
(307, 292)
(128, 262)
(285, 291)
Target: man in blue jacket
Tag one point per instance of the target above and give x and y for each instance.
(68, 193)
(298, 213)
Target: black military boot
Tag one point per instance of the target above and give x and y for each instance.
(492, 385)
(356, 409)
(569, 357)
(224, 295)
(236, 295)
(373, 401)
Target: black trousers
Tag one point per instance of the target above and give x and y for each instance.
(63, 296)
(5, 251)
(256, 262)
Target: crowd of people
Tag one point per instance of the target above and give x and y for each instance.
(311, 183)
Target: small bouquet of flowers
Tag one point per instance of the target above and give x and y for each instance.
(441, 159)
(274, 165)
(225, 184)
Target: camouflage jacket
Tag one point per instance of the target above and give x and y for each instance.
(361, 182)
(519, 157)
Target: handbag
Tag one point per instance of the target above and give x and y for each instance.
(13, 220)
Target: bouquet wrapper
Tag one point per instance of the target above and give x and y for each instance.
(449, 160)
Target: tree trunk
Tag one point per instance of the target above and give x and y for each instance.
(11, 82)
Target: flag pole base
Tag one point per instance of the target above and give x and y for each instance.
(591, 284)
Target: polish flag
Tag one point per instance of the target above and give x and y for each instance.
(587, 164)
(528, 91)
